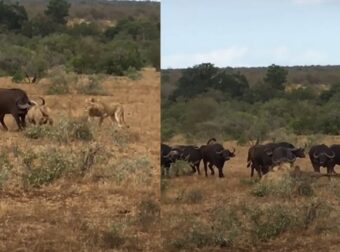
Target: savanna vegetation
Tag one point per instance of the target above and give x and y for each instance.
(79, 35)
(75, 185)
(287, 209)
(204, 101)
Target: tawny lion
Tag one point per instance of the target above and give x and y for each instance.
(96, 108)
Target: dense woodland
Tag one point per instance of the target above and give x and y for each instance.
(86, 37)
(247, 103)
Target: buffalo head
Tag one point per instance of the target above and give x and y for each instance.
(324, 157)
(226, 154)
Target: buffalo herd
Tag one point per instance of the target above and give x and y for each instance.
(261, 157)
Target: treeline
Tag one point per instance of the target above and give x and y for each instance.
(207, 101)
(297, 75)
(95, 10)
(30, 45)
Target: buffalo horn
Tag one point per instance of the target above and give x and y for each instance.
(23, 106)
(330, 156)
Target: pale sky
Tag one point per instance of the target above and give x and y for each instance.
(250, 32)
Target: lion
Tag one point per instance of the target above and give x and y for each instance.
(96, 108)
(39, 113)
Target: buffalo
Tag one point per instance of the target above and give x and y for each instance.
(286, 155)
(214, 154)
(15, 102)
(190, 153)
(323, 156)
(260, 156)
(165, 162)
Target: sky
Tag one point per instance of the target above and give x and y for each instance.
(250, 32)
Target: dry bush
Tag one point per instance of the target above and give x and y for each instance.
(91, 85)
(60, 81)
(63, 131)
(5, 168)
(148, 214)
(45, 166)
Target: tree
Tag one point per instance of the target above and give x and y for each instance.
(58, 10)
(13, 16)
(276, 76)
(195, 80)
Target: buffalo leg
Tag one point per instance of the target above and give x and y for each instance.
(2, 122)
(17, 119)
(211, 169)
(198, 169)
(205, 168)
(316, 168)
(220, 171)
(22, 120)
(258, 169)
(252, 171)
(193, 168)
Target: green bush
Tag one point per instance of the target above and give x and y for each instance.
(45, 167)
(64, 131)
(271, 222)
(61, 81)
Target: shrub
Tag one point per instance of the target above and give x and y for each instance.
(272, 221)
(260, 190)
(5, 168)
(91, 86)
(132, 73)
(60, 81)
(193, 196)
(136, 170)
(18, 77)
(113, 238)
(199, 236)
(37, 131)
(45, 167)
(180, 168)
(63, 131)
(149, 213)
(123, 138)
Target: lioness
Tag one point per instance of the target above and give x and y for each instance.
(96, 108)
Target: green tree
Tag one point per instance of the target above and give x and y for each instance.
(58, 10)
(13, 16)
(195, 80)
(276, 76)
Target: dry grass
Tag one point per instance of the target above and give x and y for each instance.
(95, 194)
(296, 213)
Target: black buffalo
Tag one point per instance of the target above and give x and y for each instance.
(190, 153)
(165, 161)
(286, 155)
(260, 156)
(214, 154)
(15, 102)
(323, 156)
